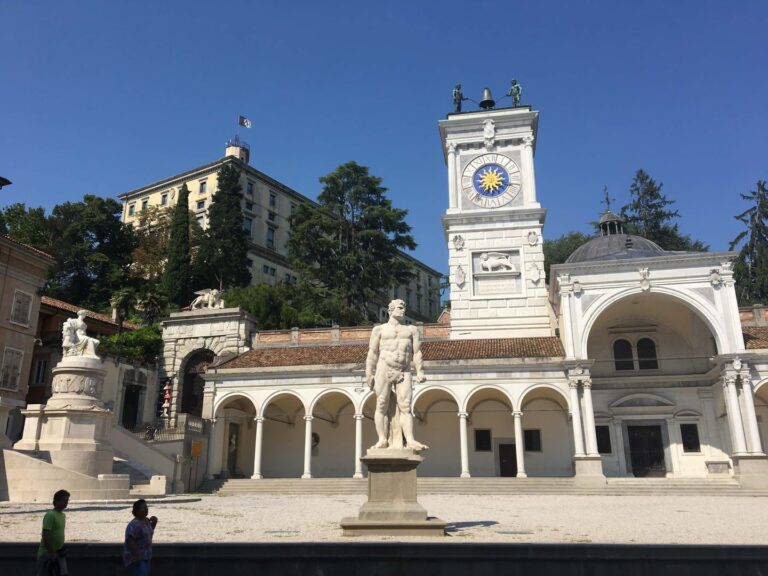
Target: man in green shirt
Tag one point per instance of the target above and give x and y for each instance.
(52, 540)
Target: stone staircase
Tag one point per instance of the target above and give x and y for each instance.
(139, 477)
(490, 486)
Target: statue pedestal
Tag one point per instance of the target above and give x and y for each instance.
(392, 508)
(72, 430)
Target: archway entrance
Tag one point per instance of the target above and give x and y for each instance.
(333, 436)
(547, 443)
(235, 437)
(436, 424)
(284, 435)
(193, 384)
(491, 434)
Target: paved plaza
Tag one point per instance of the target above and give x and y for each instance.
(509, 519)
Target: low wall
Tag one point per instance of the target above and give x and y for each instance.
(422, 559)
(32, 480)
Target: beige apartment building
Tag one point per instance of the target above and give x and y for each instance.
(267, 207)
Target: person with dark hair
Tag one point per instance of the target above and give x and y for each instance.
(137, 552)
(51, 553)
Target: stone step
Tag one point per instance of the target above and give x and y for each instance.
(138, 478)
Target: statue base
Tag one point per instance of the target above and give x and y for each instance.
(72, 430)
(392, 508)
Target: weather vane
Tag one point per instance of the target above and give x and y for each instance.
(607, 201)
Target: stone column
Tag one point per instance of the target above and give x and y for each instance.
(750, 418)
(358, 446)
(529, 181)
(519, 444)
(463, 444)
(453, 186)
(213, 448)
(307, 447)
(578, 438)
(257, 449)
(738, 440)
(589, 419)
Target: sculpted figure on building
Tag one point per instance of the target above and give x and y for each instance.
(75, 341)
(393, 347)
(208, 298)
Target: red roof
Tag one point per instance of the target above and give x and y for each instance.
(28, 247)
(495, 348)
(66, 306)
(755, 337)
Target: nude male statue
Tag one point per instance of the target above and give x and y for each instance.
(393, 346)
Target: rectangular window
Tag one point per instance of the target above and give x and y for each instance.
(482, 440)
(201, 221)
(249, 188)
(203, 186)
(273, 201)
(41, 371)
(293, 207)
(272, 271)
(22, 306)
(9, 377)
(418, 302)
(131, 209)
(247, 224)
(603, 434)
(532, 440)
(265, 269)
(249, 206)
(690, 436)
(270, 237)
(144, 204)
(201, 204)
(164, 200)
(272, 217)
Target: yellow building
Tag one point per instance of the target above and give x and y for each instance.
(267, 206)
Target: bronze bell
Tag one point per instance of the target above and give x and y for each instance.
(487, 103)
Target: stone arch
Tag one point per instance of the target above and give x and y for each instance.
(221, 401)
(190, 378)
(642, 399)
(436, 424)
(276, 394)
(328, 391)
(419, 393)
(333, 433)
(465, 404)
(283, 434)
(235, 434)
(528, 392)
(698, 305)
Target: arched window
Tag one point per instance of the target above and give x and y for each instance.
(646, 354)
(622, 355)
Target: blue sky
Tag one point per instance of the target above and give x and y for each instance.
(102, 97)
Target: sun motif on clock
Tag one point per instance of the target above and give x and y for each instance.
(491, 180)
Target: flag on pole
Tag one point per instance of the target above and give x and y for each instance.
(243, 121)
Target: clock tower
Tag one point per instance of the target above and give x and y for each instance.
(493, 225)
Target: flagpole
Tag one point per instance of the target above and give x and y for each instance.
(237, 134)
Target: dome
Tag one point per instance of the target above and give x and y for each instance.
(615, 247)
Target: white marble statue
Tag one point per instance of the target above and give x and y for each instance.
(75, 341)
(208, 298)
(392, 349)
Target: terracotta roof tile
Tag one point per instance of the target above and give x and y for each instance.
(755, 337)
(28, 247)
(441, 350)
(61, 305)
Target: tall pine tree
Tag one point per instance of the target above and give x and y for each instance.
(751, 267)
(648, 215)
(347, 250)
(178, 270)
(222, 259)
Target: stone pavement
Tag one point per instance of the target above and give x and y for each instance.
(507, 519)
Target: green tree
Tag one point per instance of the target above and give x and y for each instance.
(276, 307)
(92, 247)
(143, 345)
(149, 257)
(751, 267)
(222, 259)
(178, 271)
(648, 215)
(557, 251)
(347, 249)
(123, 303)
(152, 304)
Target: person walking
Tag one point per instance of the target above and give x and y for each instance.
(137, 552)
(51, 559)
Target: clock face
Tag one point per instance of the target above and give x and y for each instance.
(491, 180)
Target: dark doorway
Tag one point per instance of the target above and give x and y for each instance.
(233, 439)
(646, 449)
(131, 400)
(193, 384)
(507, 460)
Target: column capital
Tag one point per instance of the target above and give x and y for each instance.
(309, 418)
(746, 375)
(527, 141)
(586, 383)
(729, 378)
(463, 415)
(573, 383)
(258, 420)
(451, 147)
(358, 416)
(517, 414)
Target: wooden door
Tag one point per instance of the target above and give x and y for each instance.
(646, 448)
(507, 460)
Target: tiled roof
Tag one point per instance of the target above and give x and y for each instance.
(440, 350)
(755, 337)
(28, 247)
(61, 305)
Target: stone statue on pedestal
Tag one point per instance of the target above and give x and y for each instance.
(75, 341)
(208, 298)
(393, 346)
